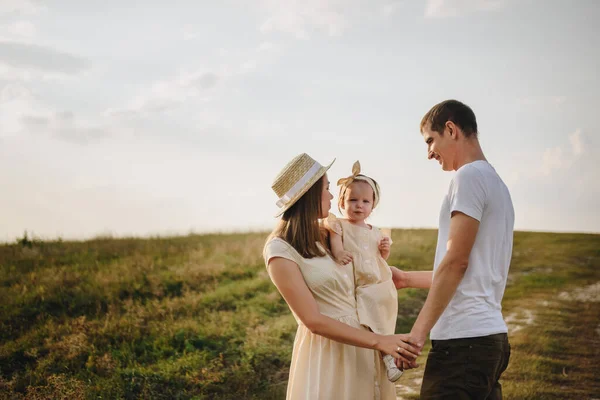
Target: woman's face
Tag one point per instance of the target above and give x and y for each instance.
(326, 197)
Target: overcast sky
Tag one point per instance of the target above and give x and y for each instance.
(161, 117)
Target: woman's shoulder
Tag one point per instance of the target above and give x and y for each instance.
(277, 247)
(277, 244)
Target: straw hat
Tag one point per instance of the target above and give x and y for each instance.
(295, 179)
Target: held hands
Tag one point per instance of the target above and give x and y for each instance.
(343, 257)
(403, 365)
(400, 347)
(418, 341)
(384, 247)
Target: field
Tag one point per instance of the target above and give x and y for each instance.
(196, 317)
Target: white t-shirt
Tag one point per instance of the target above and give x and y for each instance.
(475, 309)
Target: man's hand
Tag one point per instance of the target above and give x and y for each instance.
(418, 339)
(384, 247)
(399, 278)
(417, 344)
(403, 365)
(409, 364)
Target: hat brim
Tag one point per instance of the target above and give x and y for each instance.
(308, 185)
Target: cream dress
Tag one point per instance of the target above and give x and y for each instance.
(321, 368)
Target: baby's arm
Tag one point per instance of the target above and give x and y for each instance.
(334, 228)
(384, 247)
(337, 249)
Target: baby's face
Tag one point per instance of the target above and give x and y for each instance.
(358, 201)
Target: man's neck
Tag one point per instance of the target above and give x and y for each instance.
(470, 151)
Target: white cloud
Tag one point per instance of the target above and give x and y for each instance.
(207, 80)
(576, 142)
(391, 8)
(63, 125)
(189, 33)
(201, 85)
(13, 26)
(8, 7)
(265, 128)
(13, 91)
(552, 159)
(18, 31)
(249, 65)
(299, 17)
(561, 157)
(43, 58)
(541, 101)
(29, 75)
(17, 100)
(555, 185)
(168, 94)
(24, 29)
(23, 113)
(455, 8)
(265, 46)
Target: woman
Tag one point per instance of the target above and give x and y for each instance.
(334, 357)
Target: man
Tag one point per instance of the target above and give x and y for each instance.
(462, 313)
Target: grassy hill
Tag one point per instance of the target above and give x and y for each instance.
(197, 317)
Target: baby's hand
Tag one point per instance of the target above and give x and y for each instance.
(343, 257)
(384, 247)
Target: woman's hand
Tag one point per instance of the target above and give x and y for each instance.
(385, 245)
(343, 257)
(399, 346)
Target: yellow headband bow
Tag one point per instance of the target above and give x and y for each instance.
(345, 182)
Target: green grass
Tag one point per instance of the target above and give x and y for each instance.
(196, 317)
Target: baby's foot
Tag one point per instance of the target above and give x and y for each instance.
(393, 372)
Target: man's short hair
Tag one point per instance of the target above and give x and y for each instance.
(451, 110)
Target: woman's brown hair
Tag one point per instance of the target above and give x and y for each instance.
(299, 225)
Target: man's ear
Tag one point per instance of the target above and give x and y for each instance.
(452, 129)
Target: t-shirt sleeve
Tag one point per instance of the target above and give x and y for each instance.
(467, 193)
(278, 248)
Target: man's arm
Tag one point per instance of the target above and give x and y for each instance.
(411, 279)
(463, 231)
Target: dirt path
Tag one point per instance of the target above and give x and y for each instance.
(571, 373)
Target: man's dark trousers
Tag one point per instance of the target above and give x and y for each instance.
(466, 368)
